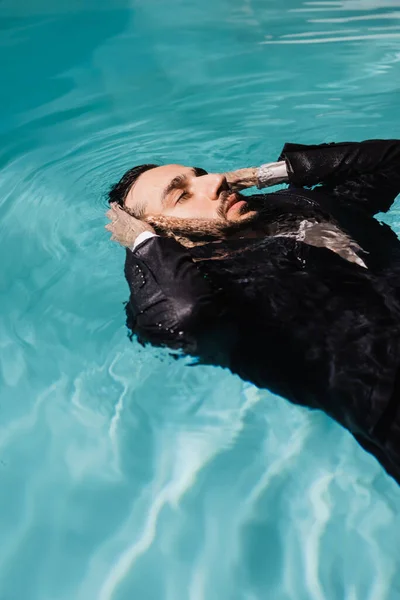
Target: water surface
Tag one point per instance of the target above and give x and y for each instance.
(124, 474)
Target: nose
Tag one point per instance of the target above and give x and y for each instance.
(211, 185)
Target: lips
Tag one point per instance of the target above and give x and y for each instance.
(233, 203)
(229, 201)
(237, 207)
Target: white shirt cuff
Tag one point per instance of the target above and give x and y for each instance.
(142, 237)
(272, 174)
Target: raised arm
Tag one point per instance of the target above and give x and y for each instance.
(366, 173)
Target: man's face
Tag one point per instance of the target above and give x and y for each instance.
(186, 193)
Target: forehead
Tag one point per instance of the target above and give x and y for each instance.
(151, 184)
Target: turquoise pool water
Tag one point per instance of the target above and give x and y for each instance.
(125, 475)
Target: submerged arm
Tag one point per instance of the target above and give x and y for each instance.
(171, 303)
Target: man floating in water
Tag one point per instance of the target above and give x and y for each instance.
(297, 291)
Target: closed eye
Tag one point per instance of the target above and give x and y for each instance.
(181, 180)
(179, 183)
(184, 196)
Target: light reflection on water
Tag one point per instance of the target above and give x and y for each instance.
(126, 474)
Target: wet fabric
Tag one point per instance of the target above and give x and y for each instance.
(294, 317)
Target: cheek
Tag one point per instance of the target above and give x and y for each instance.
(195, 209)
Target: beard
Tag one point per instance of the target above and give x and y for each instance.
(196, 232)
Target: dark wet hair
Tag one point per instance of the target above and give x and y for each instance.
(119, 191)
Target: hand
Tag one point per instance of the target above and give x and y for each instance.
(125, 228)
(242, 178)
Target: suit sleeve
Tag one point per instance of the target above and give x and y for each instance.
(171, 302)
(363, 173)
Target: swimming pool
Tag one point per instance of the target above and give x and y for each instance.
(125, 474)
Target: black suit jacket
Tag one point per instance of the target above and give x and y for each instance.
(286, 315)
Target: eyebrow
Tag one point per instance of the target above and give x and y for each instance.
(179, 182)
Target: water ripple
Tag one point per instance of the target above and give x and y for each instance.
(126, 473)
